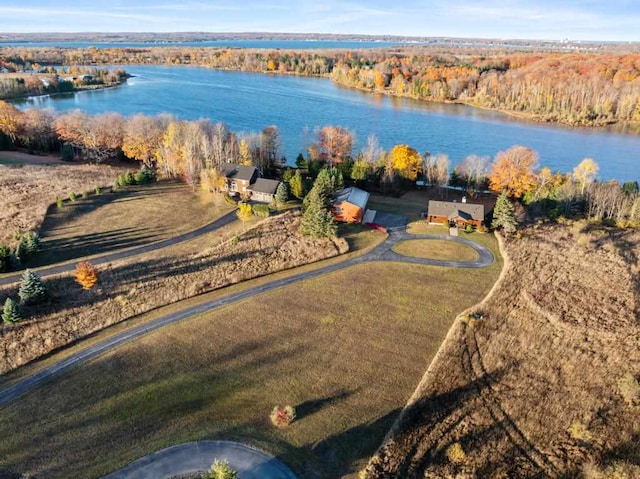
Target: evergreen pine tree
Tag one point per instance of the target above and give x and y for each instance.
(282, 193)
(5, 258)
(32, 242)
(32, 290)
(504, 214)
(317, 220)
(10, 312)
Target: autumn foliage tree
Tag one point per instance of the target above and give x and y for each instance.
(406, 161)
(86, 275)
(585, 173)
(512, 171)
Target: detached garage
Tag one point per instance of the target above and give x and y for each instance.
(349, 205)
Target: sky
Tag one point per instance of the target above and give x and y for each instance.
(604, 20)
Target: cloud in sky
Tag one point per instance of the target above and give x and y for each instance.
(548, 19)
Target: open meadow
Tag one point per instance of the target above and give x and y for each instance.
(542, 381)
(328, 346)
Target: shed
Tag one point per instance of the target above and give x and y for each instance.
(460, 214)
(349, 205)
(263, 190)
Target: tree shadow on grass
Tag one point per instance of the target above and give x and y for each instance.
(312, 406)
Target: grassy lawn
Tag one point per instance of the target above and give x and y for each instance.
(410, 208)
(436, 249)
(321, 345)
(126, 218)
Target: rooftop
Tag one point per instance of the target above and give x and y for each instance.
(352, 195)
(263, 185)
(452, 209)
(238, 172)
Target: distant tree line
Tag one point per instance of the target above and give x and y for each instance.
(573, 88)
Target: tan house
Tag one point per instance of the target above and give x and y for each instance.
(349, 205)
(239, 178)
(263, 190)
(458, 214)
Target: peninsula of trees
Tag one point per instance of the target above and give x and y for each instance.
(572, 88)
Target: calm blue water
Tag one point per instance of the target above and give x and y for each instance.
(269, 44)
(249, 102)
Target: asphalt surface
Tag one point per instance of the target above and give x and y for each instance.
(191, 457)
(107, 258)
(382, 252)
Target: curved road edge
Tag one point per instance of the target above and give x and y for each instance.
(190, 457)
(107, 258)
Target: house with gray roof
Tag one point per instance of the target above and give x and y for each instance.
(459, 214)
(239, 178)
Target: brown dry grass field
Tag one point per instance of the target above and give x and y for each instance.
(140, 284)
(28, 190)
(128, 217)
(436, 249)
(545, 384)
(321, 345)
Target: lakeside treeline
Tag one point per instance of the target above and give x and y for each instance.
(196, 151)
(32, 79)
(572, 88)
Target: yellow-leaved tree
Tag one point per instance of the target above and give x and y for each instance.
(585, 173)
(406, 161)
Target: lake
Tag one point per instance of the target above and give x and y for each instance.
(250, 101)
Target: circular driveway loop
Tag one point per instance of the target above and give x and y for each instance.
(198, 456)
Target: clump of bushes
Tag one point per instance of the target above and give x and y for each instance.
(142, 177)
(72, 197)
(230, 200)
(282, 416)
(261, 211)
(28, 243)
(221, 470)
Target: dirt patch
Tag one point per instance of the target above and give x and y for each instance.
(28, 190)
(531, 387)
(132, 288)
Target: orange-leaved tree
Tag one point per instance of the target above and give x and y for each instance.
(86, 275)
(512, 171)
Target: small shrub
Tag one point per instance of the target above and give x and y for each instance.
(145, 175)
(580, 432)
(96, 190)
(261, 211)
(230, 200)
(630, 389)
(86, 275)
(129, 178)
(221, 470)
(482, 229)
(21, 252)
(5, 258)
(59, 202)
(121, 181)
(85, 194)
(235, 239)
(32, 290)
(67, 153)
(282, 416)
(31, 241)
(455, 453)
(244, 211)
(10, 312)
(468, 229)
(72, 197)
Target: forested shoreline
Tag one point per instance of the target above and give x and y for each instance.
(590, 89)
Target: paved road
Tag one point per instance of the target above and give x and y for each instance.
(198, 456)
(382, 252)
(63, 268)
